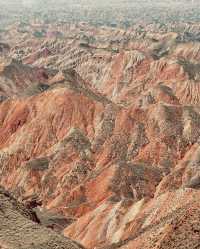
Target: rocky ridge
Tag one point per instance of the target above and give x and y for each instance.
(19, 228)
(104, 136)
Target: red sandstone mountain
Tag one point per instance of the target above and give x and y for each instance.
(111, 145)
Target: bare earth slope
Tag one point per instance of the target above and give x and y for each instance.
(18, 231)
(103, 129)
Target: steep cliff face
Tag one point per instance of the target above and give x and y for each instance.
(112, 144)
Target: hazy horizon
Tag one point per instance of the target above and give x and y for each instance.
(108, 12)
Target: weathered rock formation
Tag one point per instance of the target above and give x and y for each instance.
(100, 134)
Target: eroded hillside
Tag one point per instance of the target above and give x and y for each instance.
(99, 127)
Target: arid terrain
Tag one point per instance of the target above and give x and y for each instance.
(100, 131)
